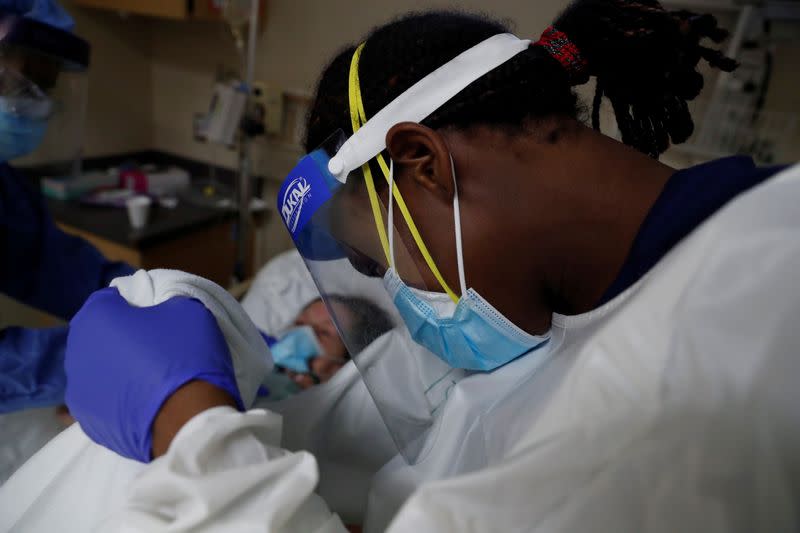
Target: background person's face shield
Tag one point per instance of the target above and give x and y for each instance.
(43, 95)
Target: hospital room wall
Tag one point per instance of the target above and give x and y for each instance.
(120, 96)
(298, 40)
(150, 76)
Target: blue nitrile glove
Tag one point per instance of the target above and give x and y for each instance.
(124, 362)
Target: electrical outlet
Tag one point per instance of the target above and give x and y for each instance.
(271, 100)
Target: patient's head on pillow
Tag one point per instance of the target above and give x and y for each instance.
(361, 321)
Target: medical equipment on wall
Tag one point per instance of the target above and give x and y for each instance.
(221, 124)
(736, 121)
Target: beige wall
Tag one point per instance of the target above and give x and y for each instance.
(151, 76)
(299, 38)
(120, 88)
(302, 36)
(183, 65)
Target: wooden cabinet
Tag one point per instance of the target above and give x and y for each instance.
(208, 252)
(173, 9)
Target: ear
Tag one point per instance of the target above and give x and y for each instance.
(421, 153)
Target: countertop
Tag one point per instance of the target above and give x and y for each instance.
(164, 224)
(112, 224)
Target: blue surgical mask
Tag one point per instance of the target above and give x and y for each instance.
(296, 348)
(23, 123)
(470, 334)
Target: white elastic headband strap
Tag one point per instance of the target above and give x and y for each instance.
(390, 229)
(457, 222)
(423, 98)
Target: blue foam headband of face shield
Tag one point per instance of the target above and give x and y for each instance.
(303, 194)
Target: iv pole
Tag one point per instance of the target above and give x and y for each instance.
(245, 186)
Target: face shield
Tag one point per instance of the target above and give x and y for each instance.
(43, 95)
(336, 205)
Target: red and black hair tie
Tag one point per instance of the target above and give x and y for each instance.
(565, 52)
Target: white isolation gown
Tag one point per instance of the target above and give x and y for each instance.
(674, 407)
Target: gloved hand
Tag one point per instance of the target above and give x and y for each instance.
(123, 363)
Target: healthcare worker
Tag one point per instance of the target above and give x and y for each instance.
(616, 341)
(42, 80)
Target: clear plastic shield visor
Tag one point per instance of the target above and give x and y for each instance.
(333, 225)
(42, 111)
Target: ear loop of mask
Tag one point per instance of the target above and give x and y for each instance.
(358, 117)
(391, 210)
(456, 219)
(457, 222)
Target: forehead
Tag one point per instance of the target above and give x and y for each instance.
(316, 314)
(314, 311)
(317, 307)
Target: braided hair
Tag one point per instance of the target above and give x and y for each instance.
(644, 60)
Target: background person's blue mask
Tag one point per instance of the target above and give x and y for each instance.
(20, 133)
(296, 349)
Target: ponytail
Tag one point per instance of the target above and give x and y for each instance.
(643, 58)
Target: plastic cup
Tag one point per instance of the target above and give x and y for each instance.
(138, 210)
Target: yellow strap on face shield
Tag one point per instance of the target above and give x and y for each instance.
(358, 118)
